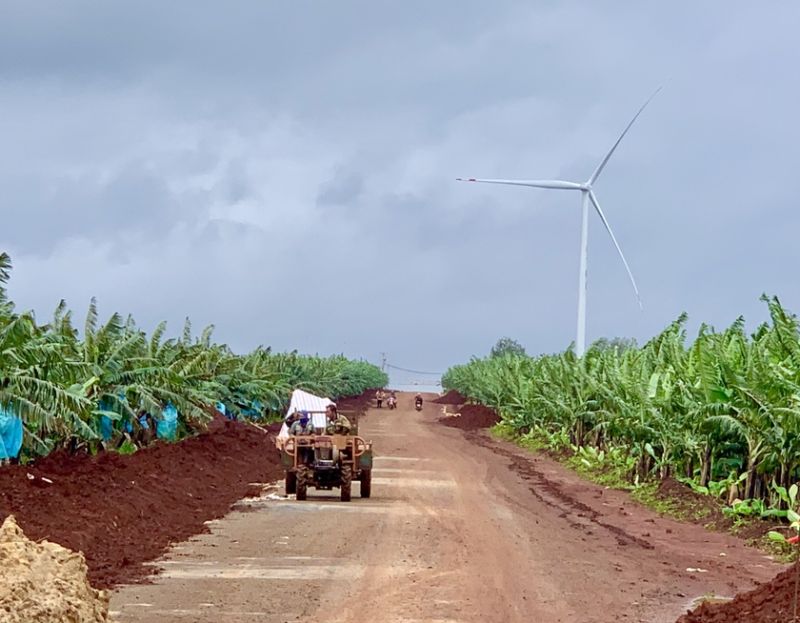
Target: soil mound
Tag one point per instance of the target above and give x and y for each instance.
(124, 510)
(705, 510)
(450, 398)
(354, 407)
(44, 582)
(472, 417)
(701, 509)
(769, 603)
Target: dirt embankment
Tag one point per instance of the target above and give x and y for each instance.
(466, 416)
(122, 511)
(471, 417)
(354, 407)
(772, 602)
(451, 398)
(707, 511)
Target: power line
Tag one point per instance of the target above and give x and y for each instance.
(388, 365)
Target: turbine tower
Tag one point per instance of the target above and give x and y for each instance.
(587, 196)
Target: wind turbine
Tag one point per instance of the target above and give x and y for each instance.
(587, 196)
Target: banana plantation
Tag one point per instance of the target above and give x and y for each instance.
(721, 413)
(112, 382)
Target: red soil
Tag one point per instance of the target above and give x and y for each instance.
(701, 509)
(706, 511)
(769, 603)
(472, 417)
(355, 406)
(451, 398)
(122, 511)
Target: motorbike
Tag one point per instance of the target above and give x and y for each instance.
(418, 404)
(392, 402)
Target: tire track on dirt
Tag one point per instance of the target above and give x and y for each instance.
(574, 512)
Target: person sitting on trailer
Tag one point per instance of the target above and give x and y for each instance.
(337, 423)
(289, 419)
(302, 424)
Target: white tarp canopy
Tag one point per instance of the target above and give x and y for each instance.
(303, 401)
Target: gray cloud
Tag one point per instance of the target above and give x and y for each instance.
(287, 171)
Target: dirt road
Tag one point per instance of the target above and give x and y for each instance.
(455, 531)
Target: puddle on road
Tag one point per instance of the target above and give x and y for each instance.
(413, 482)
(188, 612)
(332, 505)
(707, 599)
(224, 572)
(432, 473)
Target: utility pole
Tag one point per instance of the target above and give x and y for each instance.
(383, 362)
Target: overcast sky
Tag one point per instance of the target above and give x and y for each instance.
(287, 170)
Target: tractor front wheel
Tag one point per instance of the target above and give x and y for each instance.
(301, 487)
(291, 483)
(347, 481)
(366, 483)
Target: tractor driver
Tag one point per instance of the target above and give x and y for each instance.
(337, 424)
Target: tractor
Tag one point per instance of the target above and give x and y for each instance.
(325, 462)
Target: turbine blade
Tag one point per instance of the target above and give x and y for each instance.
(552, 184)
(616, 244)
(602, 165)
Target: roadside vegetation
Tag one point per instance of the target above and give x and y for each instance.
(113, 384)
(720, 414)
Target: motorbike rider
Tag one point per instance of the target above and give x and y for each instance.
(392, 400)
(418, 400)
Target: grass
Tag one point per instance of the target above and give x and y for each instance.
(647, 495)
(531, 442)
(608, 474)
(615, 476)
(781, 552)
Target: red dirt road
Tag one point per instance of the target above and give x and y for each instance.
(123, 511)
(455, 531)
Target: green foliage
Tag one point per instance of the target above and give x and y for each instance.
(127, 447)
(715, 488)
(647, 494)
(506, 346)
(722, 413)
(747, 508)
(62, 386)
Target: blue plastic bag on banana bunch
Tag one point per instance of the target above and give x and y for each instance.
(167, 426)
(10, 434)
(255, 410)
(221, 408)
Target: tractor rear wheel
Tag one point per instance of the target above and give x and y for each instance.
(291, 483)
(301, 485)
(347, 481)
(366, 483)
